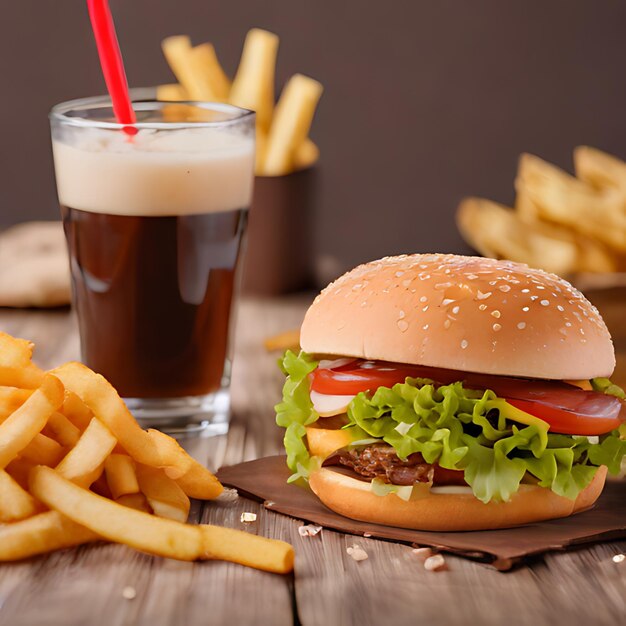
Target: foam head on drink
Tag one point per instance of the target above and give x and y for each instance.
(154, 228)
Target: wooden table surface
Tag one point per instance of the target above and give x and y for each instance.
(85, 585)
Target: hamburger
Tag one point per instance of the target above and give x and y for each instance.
(444, 392)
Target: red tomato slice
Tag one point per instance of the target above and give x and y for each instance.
(566, 408)
(359, 375)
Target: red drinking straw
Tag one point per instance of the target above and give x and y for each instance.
(111, 62)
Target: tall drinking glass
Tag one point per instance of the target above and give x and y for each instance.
(155, 218)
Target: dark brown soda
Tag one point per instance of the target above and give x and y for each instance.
(153, 297)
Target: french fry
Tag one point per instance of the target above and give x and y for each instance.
(62, 430)
(20, 428)
(43, 450)
(565, 200)
(164, 496)
(291, 123)
(498, 232)
(85, 461)
(102, 399)
(11, 399)
(526, 209)
(131, 504)
(253, 86)
(305, 155)
(197, 481)
(172, 92)
(121, 476)
(152, 448)
(29, 377)
(41, 534)
(599, 169)
(135, 501)
(205, 63)
(15, 502)
(179, 55)
(15, 352)
(156, 535)
(289, 340)
(76, 411)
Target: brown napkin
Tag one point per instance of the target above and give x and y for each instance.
(34, 270)
(266, 479)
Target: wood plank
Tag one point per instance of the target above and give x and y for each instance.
(392, 585)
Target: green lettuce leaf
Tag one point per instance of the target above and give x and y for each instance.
(458, 428)
(604, 385)
(296, 411)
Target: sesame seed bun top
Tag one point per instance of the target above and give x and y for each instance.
(465, 313)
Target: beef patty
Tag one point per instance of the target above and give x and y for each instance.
(381, 461)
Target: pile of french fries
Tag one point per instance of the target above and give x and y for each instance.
(282, 131)
(75, 467)
(561, 223)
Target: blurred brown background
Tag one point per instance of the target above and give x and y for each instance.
(425, 102)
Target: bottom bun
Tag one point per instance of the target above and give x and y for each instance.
(353, 498)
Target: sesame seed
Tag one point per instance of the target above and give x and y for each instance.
(423, 299)
(544, 302)
(526, 309)
(482, 307)
(525, 290)
(504, 288)
(521, 325)
(425, 327)
(403, 325)
(456, 309)
(398, 274)
(401, 314)
(560, 308)
(483, 296)
(447, 323)
(495, 314)
(447, 301)
(464, 344)
(497, 327)
(425, 308)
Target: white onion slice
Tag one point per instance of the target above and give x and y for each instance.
(327, 405)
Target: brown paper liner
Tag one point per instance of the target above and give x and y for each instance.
(266, 479)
